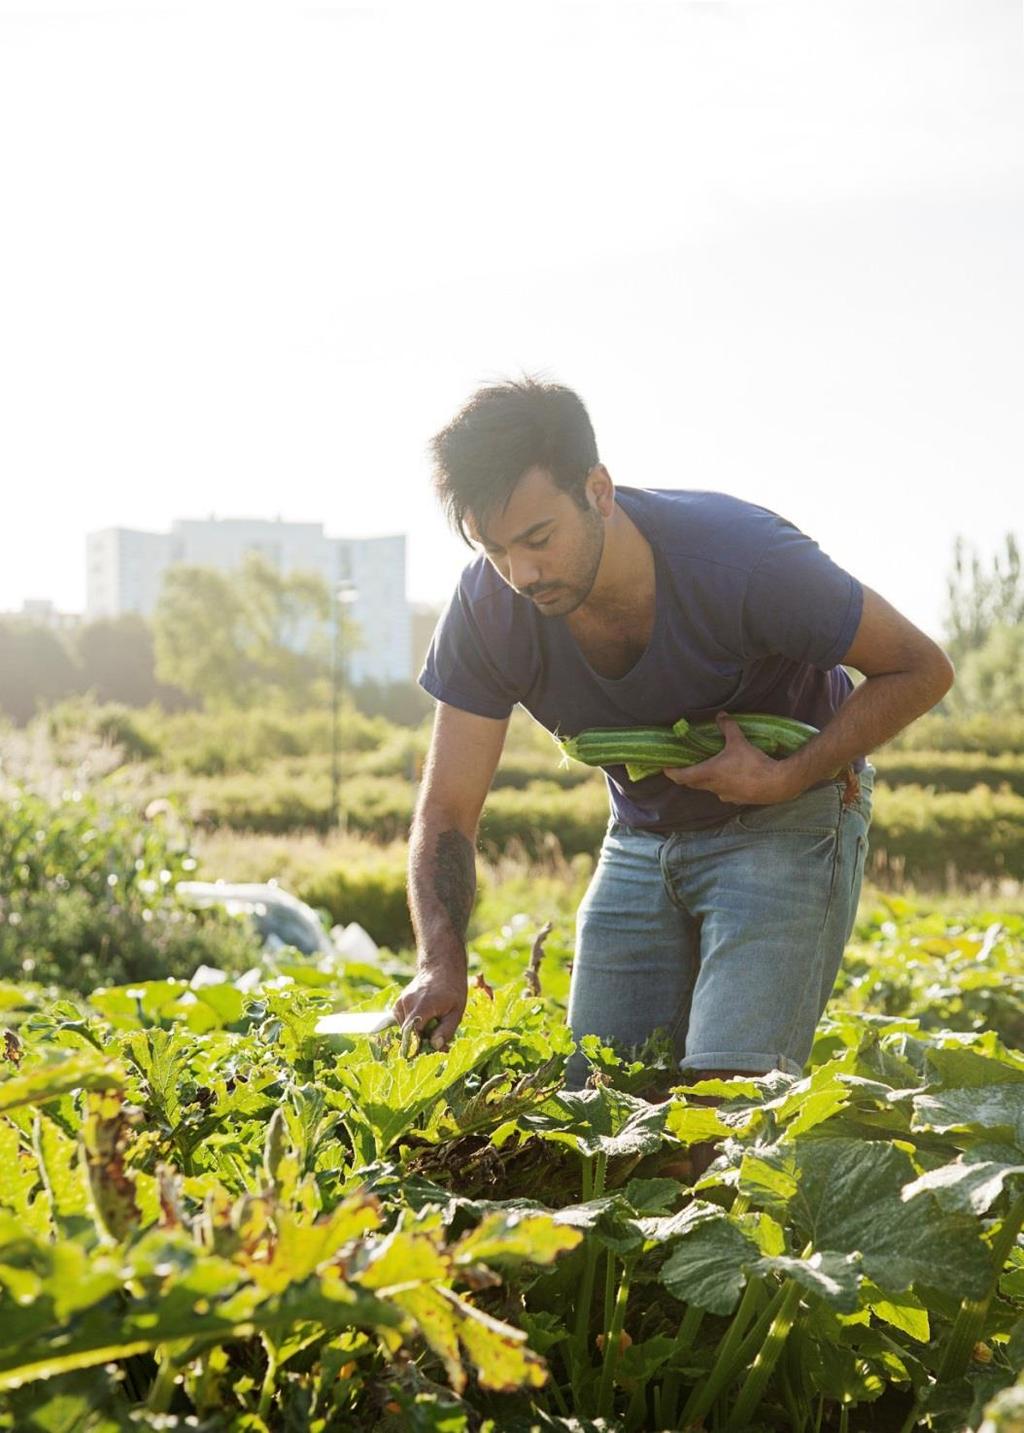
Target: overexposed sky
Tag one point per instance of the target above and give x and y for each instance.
(253, 255)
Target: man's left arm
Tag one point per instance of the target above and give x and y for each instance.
(905, 675)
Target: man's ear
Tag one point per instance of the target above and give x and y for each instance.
(600, 490)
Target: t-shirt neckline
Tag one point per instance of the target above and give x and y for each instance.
(631, 510)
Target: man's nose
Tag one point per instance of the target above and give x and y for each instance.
(523, 572)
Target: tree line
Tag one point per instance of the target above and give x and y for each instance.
(222, 640)
(217, 640)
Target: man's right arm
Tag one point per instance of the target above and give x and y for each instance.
(464, 752)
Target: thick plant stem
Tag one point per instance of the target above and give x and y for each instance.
(970, 1321)
(611, 1345)
(593, 1182)
(636, 1413)
(600, 1173)
(557, 1395)
(733, 1354)
(609, 1293)
(688, 1331)
(162, 1390)
(757, 1379)
(269, 1379)
(586, 1178)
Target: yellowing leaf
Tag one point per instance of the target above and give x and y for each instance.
(499, 1353)
(436, 1320)
(504, 1236)
(404, 1258)
(85, 1071)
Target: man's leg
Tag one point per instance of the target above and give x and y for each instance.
(636, 951)
(775, 891)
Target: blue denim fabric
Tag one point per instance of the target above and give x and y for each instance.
(731, 938)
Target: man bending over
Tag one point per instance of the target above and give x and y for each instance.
(725, 892)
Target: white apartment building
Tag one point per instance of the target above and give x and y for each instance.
(126, 568)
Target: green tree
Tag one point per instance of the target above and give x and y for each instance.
(36, 669)
(990, 678)
(985, 629)
(229, 638)
(980, 597)
(118, 662)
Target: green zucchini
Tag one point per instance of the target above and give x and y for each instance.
(614, 746)
(647, 750)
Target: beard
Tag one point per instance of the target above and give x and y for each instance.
(563, 597)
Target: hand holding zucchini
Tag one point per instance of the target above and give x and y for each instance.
(644, 751)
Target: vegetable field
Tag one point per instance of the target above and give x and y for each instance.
(212, 1218)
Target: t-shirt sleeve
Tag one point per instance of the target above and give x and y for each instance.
(799, 603)
(459, 668)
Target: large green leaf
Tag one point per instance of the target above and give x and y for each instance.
(503, 1361)
(708, 1268)
(849, 1200)
(512, 1237)
(972, 1183)
(601, 1121)
(967, 1068)
(20, 1183)
(90, 1401)
(383, 1099)
(56, 1077)
(61, 1168)
(995, 1111)
(834, 1278)
(103, 1335)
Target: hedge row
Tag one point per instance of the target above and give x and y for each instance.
(943, 836)
(916, 835)
(995, 734)
(951, 770)
(919, 831)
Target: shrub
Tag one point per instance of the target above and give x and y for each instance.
(543, 818)
(995, 734)
(107, 723)
(932, 836)
(374, 895)
(951, 770)
(88, 898)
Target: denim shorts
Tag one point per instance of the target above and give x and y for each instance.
(729, 938)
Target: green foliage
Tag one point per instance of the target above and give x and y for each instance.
(87, 898)
(991, 675)
(68, 722)
(543, 817)
(228, 638)
(373, 894)
(205, 743)
(931, 835)
(965, 975)
(980, 599)
(35, 669)
(950, 770)
(117, 662)
(208, 1213)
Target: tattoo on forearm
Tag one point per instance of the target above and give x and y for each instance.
(455, 878)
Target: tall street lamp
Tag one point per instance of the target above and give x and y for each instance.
(343, 595)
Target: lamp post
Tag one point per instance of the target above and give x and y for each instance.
(343, 595)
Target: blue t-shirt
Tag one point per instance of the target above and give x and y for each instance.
(750, 616)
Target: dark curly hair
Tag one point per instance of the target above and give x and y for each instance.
(501, 433)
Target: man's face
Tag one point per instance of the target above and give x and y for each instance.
(544, 544)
